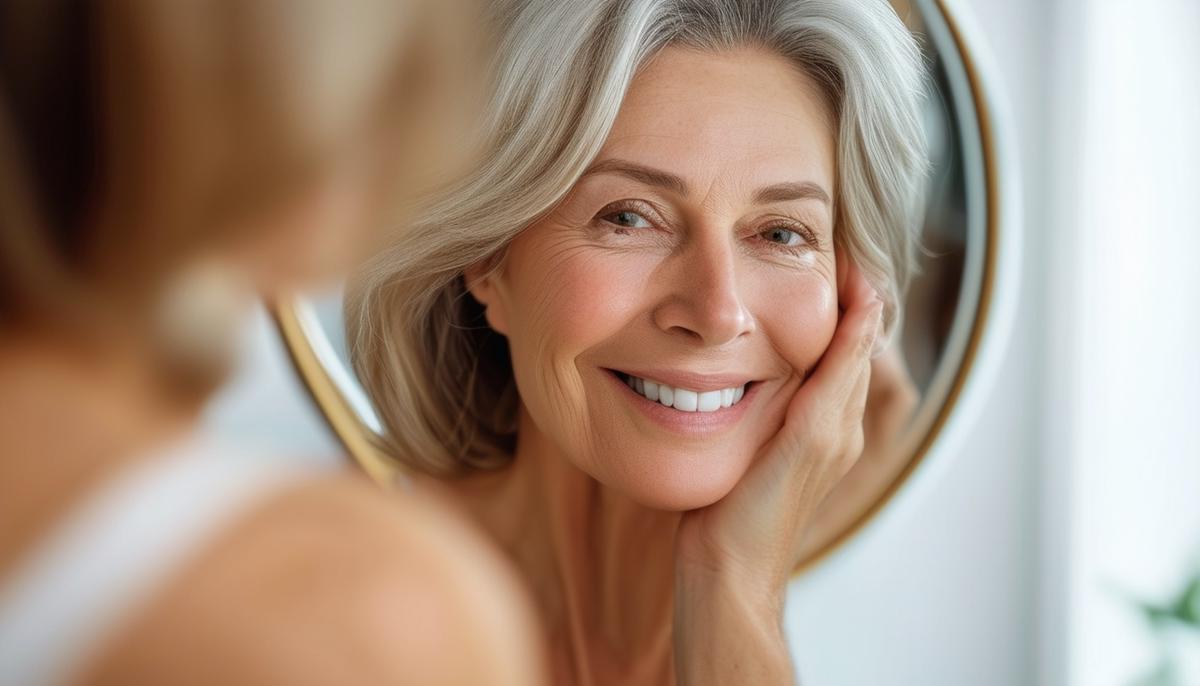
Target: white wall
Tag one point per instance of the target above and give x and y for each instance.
(1127, 353)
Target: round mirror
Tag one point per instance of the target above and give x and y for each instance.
(917, 386)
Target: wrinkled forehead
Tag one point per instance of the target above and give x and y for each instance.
(726, 120)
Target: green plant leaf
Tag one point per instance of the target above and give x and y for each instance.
(1188, 607)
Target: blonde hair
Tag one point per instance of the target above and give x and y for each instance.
(139, 135)
(440, 378)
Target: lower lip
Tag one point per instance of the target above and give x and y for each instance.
(685, 423)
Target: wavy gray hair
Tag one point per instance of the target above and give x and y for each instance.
(440, 378)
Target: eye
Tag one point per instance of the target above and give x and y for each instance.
(784, 236)
(627, 219)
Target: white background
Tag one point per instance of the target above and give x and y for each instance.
(1081, 473)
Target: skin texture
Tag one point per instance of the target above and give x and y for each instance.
(654, 554)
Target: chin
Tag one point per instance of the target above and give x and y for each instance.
(677, 483)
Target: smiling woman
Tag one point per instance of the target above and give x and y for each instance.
(681, 258)
(637, 336)
(855, 72)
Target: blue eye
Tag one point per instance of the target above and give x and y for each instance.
(627, 219)
(784, 237)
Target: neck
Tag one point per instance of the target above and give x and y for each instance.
(600, 566)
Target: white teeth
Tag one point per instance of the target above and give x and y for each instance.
(709, 401)
(666, 395)
(686, 400)
(651, 391)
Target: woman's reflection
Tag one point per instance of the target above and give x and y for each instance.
(635, 344)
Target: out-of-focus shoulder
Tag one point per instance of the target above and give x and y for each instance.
(332, 580)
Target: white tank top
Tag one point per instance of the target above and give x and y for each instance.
(115, 549)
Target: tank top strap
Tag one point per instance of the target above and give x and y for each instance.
(115, 549)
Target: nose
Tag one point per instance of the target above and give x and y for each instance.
(705, 301)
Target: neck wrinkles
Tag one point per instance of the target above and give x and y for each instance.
(600, 566)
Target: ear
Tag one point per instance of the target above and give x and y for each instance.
(483, 283)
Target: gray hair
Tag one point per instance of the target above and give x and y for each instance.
(441, 380)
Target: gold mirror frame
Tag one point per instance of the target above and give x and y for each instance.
(301, 332)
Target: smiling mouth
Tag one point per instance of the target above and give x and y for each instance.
(684, 399)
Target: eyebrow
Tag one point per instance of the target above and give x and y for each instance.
(646, 175)
(780, 192)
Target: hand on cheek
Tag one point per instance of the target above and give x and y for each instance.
(755, 532)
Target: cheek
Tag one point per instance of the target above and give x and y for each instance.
(571, 294)
(800, 323)
(563, 298)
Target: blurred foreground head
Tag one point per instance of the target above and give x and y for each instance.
(154, 155)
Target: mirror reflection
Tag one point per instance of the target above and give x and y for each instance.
(648, 198)
(693, 318)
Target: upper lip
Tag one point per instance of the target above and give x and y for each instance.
(692, 381)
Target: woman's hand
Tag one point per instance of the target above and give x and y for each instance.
(891, 401)
(734, 557)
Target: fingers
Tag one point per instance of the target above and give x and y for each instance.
(854, 288)
(847, 357)
(825, 417)
(822, 435)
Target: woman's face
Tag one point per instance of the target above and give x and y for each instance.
(695, 256)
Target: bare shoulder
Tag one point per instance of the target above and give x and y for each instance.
(335, 582)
